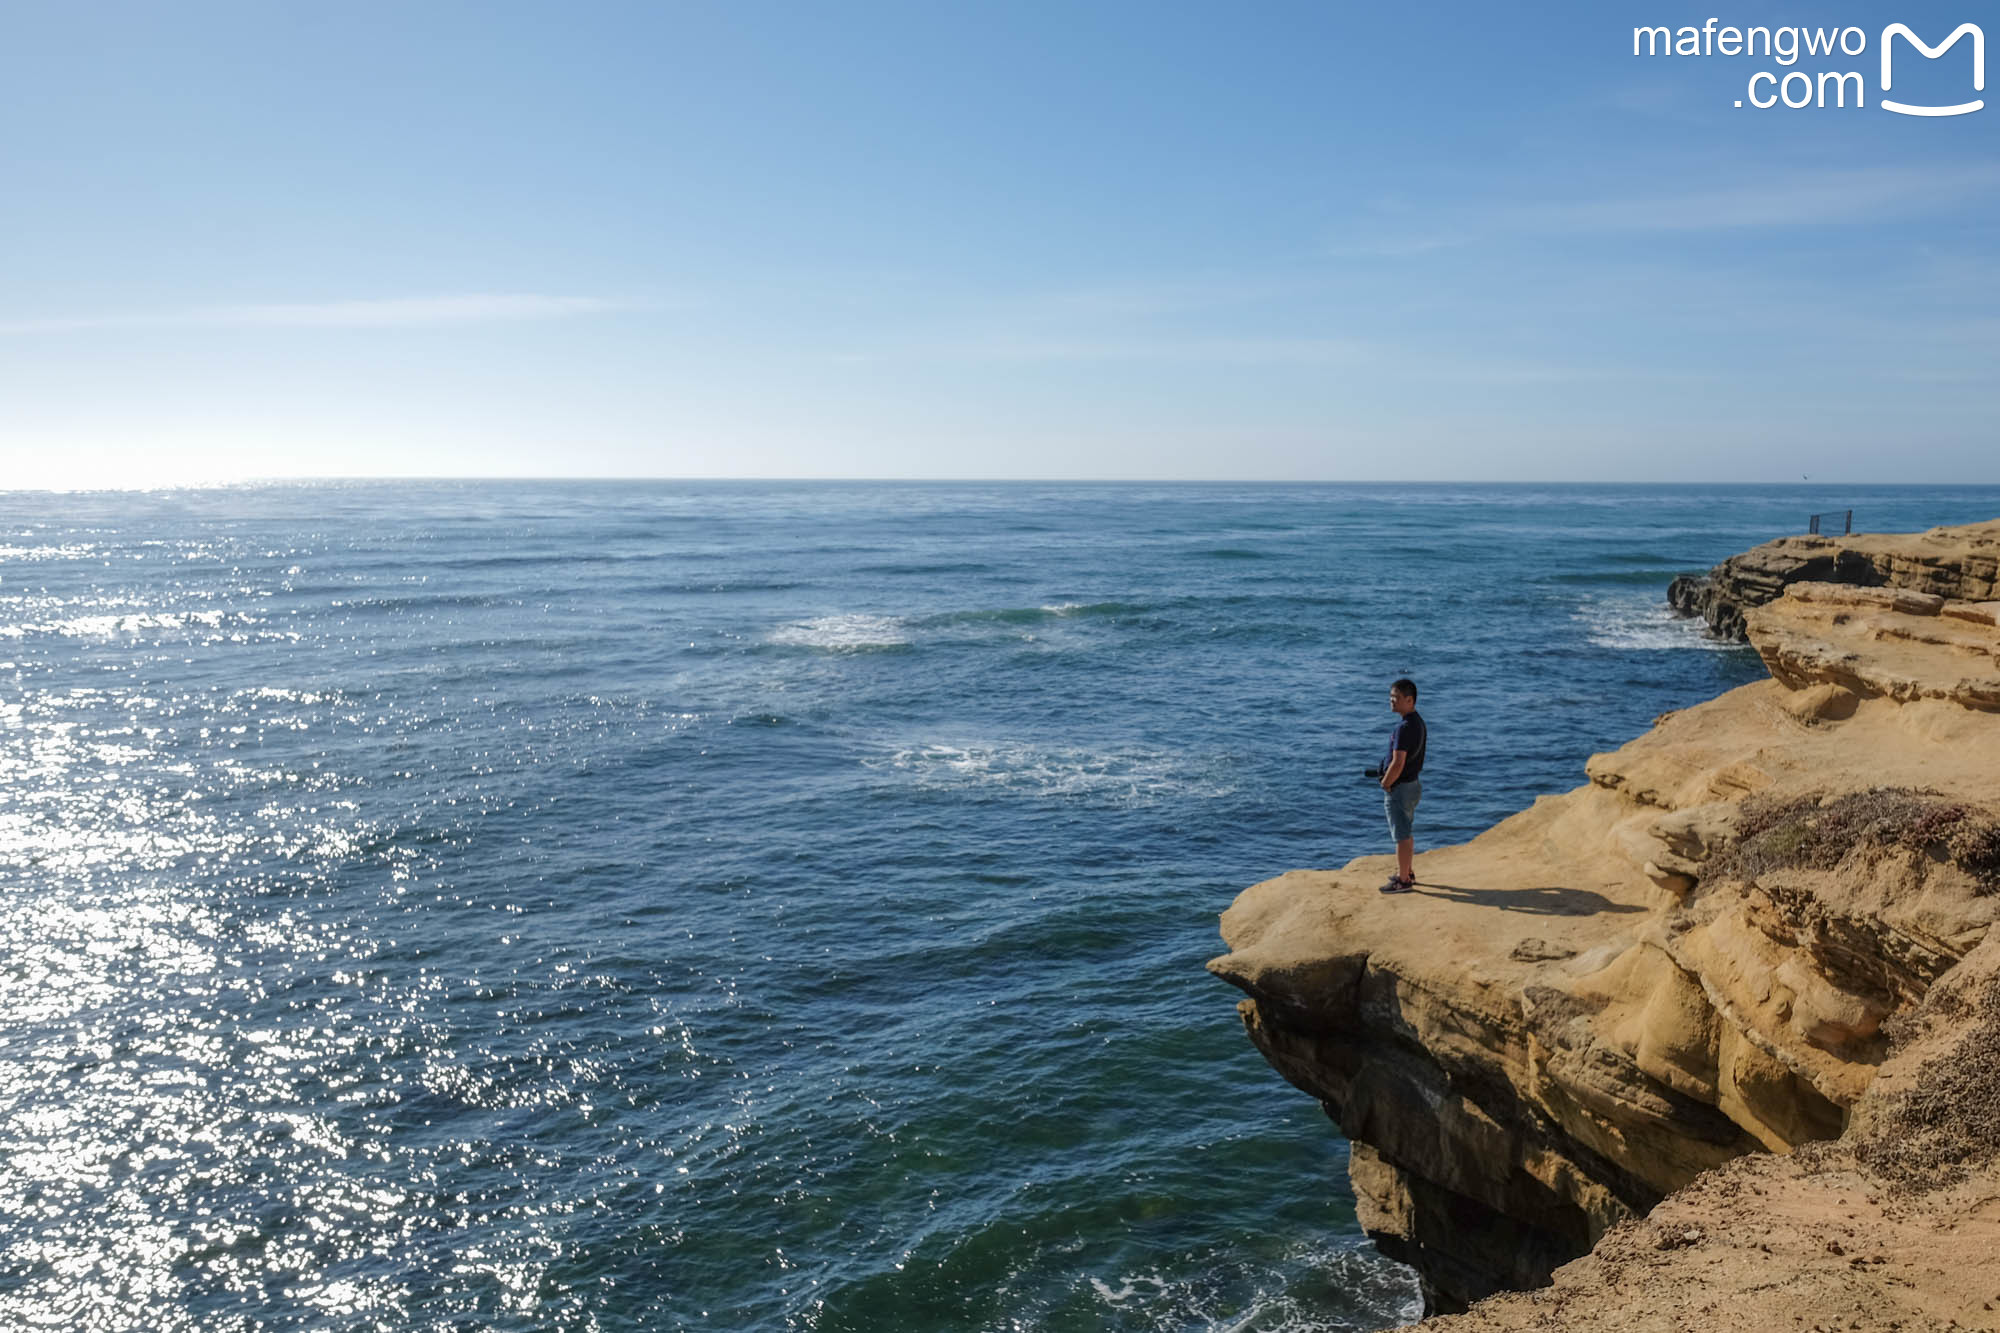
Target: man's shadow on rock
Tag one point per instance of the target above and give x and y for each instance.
(1545, 901)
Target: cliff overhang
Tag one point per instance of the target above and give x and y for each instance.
(1702, 957)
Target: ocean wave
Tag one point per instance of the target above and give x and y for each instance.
(273, 694)
(1129, 1289)
(861, 631)
(108, 624)
(1044, 770)
(529, 559)
(1030, 615)
(66, 551)
(1286, 1293)
(423, 602)
(1632, 558)
(854, 632)
(1090, 609)
(1044, 624)
(710, 586)
(943, 567)
(1651, 576)
(1626, 624)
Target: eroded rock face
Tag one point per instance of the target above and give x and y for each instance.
(1894, 1227)
(1608, 995)
(1877, 641)
(1957, 563)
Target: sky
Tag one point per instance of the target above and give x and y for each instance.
(1158, 239)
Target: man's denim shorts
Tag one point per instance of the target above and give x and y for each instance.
(1401, 803)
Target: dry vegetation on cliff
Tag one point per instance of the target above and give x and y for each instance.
(1816, 831)
(1935, 1133)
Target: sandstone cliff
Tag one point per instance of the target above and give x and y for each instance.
(1738, 938)
(1961, 564)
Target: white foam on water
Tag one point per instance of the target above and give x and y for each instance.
(285, 696)
(1045, 770)
(1642, 624)
(1128, 1288)
(844, 632)
(1284, 1295)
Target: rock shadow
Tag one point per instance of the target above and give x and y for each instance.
(1547, 900)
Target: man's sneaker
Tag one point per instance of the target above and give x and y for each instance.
(1397, 884)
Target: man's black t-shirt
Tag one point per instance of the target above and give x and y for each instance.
(1409, 737)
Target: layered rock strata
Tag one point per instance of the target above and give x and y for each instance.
(1694, 959)
(1894, 1228)
(1960, 564)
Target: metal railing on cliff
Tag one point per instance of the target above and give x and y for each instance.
(1846, 522)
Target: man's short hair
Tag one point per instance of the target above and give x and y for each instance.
(1406, 687)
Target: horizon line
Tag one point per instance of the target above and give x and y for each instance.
(332, 479)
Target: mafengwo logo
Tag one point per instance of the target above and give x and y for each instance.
(1797, 89)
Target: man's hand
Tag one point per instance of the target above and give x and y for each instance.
(1394, 770)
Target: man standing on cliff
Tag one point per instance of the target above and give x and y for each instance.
(1400, 788)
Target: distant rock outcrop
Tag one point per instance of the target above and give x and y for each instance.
(1959, 564)
(1754, 928)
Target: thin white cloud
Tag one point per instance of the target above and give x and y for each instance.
(1866, 194)
(1396, 246)
(1233, 351)
(1813, 198)
(407, 312)
(1227, 351)
(1380, 361)
(1145, 298)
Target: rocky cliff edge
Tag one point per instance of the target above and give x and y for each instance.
(1961, 564)
(1744, 970)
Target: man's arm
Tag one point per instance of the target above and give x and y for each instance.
(1394, 770)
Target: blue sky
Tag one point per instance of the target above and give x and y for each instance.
(1164, 239)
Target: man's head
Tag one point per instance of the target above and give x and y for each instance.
(1403, 695)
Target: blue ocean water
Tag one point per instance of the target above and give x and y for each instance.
(598, 906)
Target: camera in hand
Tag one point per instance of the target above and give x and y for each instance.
(1371, 772)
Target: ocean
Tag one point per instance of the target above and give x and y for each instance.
(662, 905)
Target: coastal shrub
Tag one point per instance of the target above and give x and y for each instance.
(1810, 833)
(1949, 1121)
